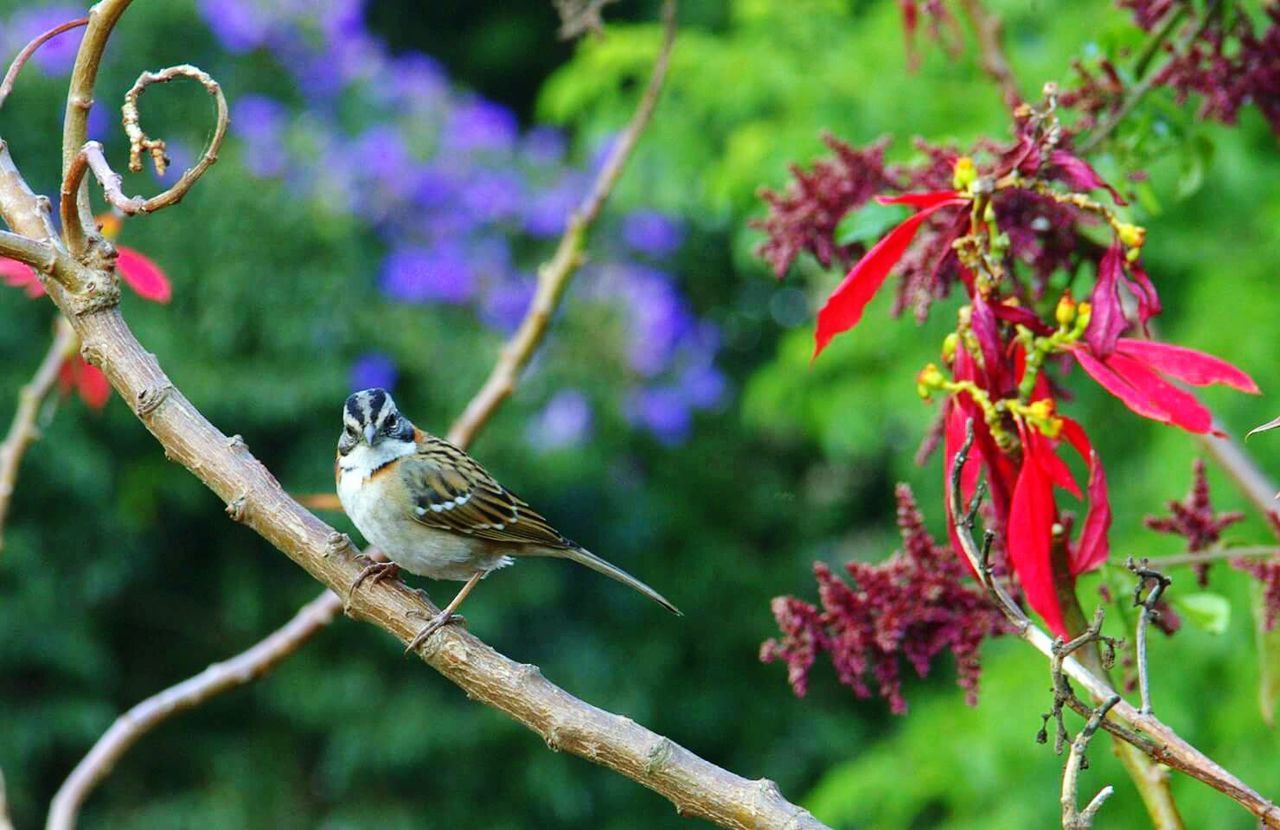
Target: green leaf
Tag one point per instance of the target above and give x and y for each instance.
(1205, 610)
(869, 222)
(1268, 656)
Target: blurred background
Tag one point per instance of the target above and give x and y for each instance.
(396, 172)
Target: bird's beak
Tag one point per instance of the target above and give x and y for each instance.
(370, 431)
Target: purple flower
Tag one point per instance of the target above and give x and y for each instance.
(374, 369)
(260, 122)
(477, 125)
(662, 411)
(239, 25)
(658, 319)
(56, 56)
(547, 209)
(417, 81)
(492, 195)
(543, 146)
(650, 232)
(565, 421)
(418, 274)
(506, 303)
(702, 385)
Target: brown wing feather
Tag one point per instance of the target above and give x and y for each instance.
(452, 492)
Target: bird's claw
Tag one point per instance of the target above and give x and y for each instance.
(433, 625)
(374, 572)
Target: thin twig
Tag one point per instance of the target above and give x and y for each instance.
(1159, 582)
(1139, 90)
(1142, 730)
(142, 718)
(92, 157)
(1218, 555)
(1076, 761)
(23, 430)
(75, 123)
(991, 53)
(6, 823)
(11, 77)
(553, 276)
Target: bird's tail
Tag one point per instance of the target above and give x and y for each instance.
(585, 557)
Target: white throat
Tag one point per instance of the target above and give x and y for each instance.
(363, 459)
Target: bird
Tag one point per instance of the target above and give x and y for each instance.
(435, 512)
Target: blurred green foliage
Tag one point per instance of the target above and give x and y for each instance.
(122, 574)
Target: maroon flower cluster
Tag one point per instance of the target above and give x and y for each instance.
(1268, 573)
(1044, 235)
(804, 216)
(1227, 67)
(1195, 520)
(915, 605)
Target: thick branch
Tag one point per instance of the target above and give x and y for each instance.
(1142, 730)
(23, 430)
(254, 497)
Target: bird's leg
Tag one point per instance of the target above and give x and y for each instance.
(446, 615)
(375, 572)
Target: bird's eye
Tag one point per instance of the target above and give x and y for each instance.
(392, 422)
(350, 430)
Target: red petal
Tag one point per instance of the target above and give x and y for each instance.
(1057, 470)
(93, 385)
(987, 332)
(1077, 173)
(143, 276)
(843, 308)
(1136, 399)
(1108, 320)
(922, 201)
(1189, 365)
(20, 275)
(1145, 292)
(1182, 407)
(1022, 316)
(1092, 549)
(1029, 538)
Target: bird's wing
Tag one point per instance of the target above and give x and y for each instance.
(450, 491)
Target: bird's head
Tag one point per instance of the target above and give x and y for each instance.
(370, 417)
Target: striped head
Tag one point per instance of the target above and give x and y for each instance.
(370, 418)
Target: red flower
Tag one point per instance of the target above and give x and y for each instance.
(1108, 320)
(146, 279)
(137, 270)
(87, 380)
(1133, 373)
(844, 307)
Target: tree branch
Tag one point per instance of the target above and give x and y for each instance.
(254, 497)
(1073, 819)
(92, 157)
(11, 77)
(1142, 730)
(142, 718)
(23, 430)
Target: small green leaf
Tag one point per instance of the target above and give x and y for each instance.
(869, 222)
(1268, 656)
(1205, 610)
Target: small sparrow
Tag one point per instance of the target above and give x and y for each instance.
(434, 511)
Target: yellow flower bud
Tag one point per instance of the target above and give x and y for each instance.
(1131, 236)
(1084, 311)
(928, 380)
(964, 173)
(1066, 310)
(949, 346)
